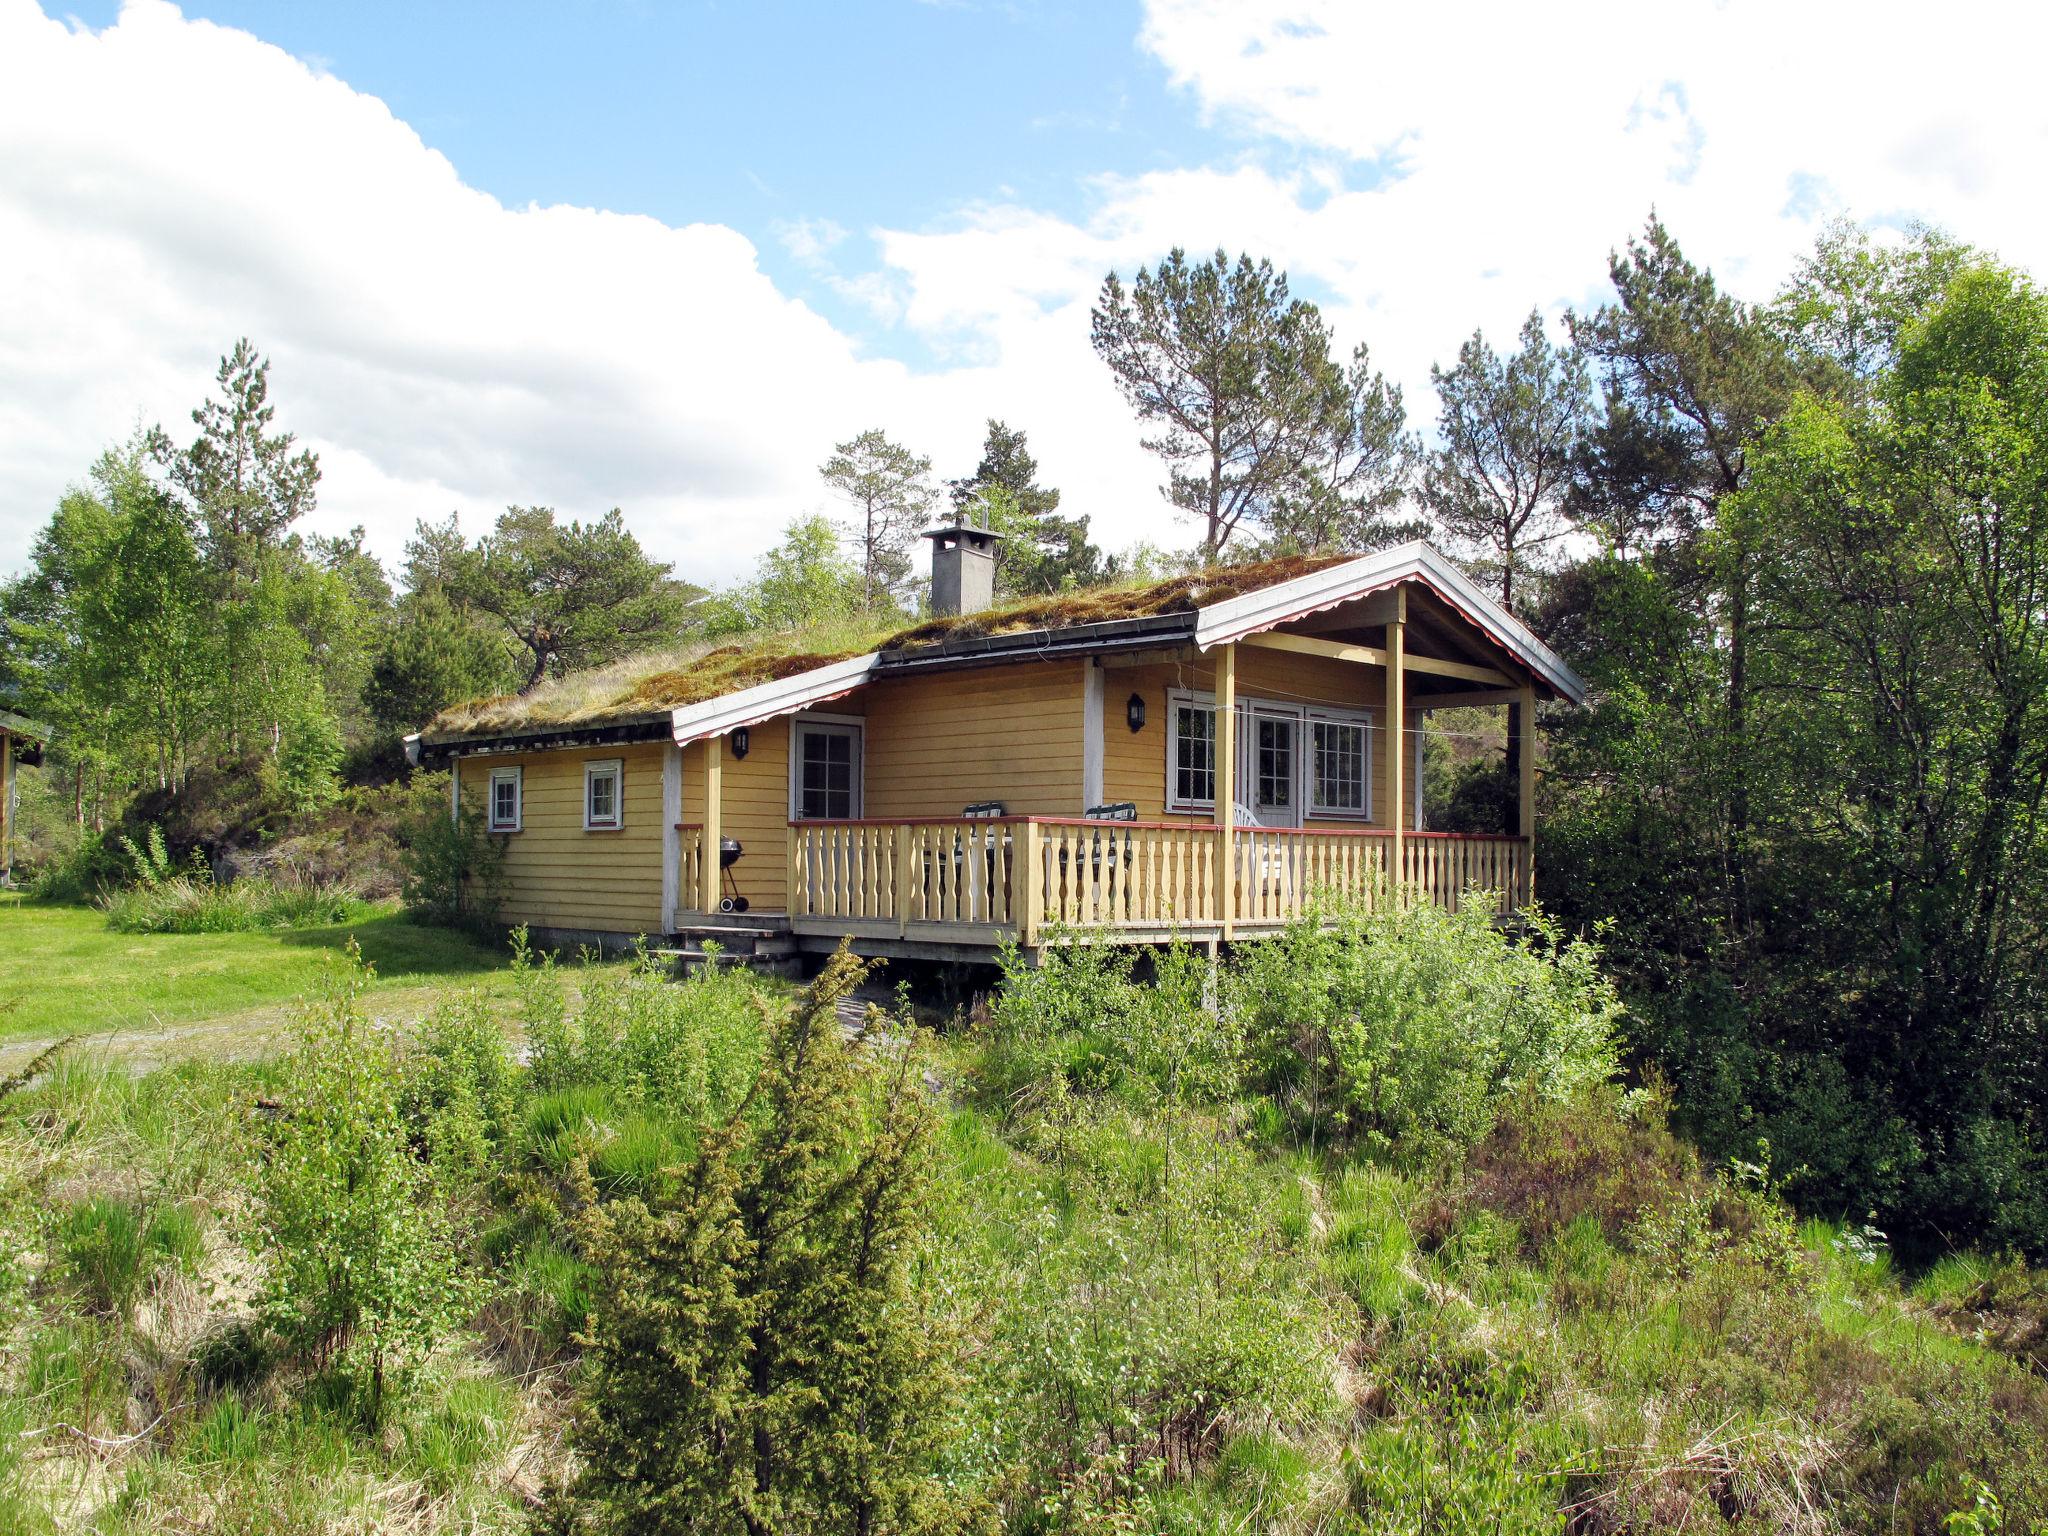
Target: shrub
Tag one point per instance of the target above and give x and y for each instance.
(759, 1356)
(1082, 1020)
(362, 1273)
(684, 1050)
(1601, 1155)
(1409, 1027)
(454, 868)
(461, 1089)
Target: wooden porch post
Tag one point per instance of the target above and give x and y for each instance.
(714, 792)
(1226, 785)
(1397, 728)
(1032, 869)
(1525, 789)
(455, 788)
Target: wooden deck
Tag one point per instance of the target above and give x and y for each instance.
(934, 886)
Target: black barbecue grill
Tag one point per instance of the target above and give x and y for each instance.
(729, 851)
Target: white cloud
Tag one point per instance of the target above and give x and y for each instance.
(1435, 168)
(167, 185)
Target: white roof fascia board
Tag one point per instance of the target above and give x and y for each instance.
(765, 701)
(1417, 560)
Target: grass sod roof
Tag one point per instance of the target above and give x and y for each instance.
(653, 683)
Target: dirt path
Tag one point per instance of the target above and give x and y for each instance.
(241, 1036)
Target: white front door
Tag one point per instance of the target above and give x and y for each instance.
(1269, 767)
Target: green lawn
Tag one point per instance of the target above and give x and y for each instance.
(63, 971)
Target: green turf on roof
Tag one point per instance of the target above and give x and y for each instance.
(653, 684)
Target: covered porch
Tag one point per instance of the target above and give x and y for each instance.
(978, 882)
(1289, 771)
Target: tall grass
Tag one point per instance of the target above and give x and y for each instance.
(194, 904)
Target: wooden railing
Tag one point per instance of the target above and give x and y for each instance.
(690, 875)
(1025, 875)
(958, 872)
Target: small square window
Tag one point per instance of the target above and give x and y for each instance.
(504, 800)
(603, 791)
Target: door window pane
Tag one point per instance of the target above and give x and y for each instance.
(1275, 762)
(1194, 753)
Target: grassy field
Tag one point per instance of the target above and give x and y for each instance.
(1159, 1305)
(64, 972)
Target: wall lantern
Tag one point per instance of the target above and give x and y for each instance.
(1134, 712)
(741, 741)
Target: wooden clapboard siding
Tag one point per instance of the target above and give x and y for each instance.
(1134, 765)
(559, 876)
(754, 808)
(1012, 733)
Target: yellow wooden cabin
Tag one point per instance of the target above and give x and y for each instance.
(1198, 758)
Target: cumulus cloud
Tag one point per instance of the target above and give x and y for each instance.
(1427, 170)
(167, 185)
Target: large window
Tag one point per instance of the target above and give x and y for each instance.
(1340, 783)
(504, 800)
(604, 786)
(1191, 765)
(824, 771)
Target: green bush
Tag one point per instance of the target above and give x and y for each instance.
(686, 1051)
(454, 868)
(1082, 1020)
(760, 1356)
(362, 1274)
(1409, 1027)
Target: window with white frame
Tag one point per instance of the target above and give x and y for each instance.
(825, 769)
(1191, 752)
(504, 800)
(1340, 775)
(604, 789)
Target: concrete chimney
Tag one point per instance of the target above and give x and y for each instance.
(963, 569)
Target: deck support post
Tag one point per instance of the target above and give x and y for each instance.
(901, 859)
(1032, 872)
(1397, 733)
(1226, 786)
(714, 793)
(1525, 790)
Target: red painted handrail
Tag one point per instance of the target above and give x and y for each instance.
(1141, 826)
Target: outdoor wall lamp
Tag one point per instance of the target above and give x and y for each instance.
(1134, 712)
(741, 741)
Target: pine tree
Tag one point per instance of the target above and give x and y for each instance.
(1042, 552)
(889, 495)
(1511, 430)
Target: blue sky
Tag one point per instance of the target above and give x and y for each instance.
(663, 257)
(762, 116)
